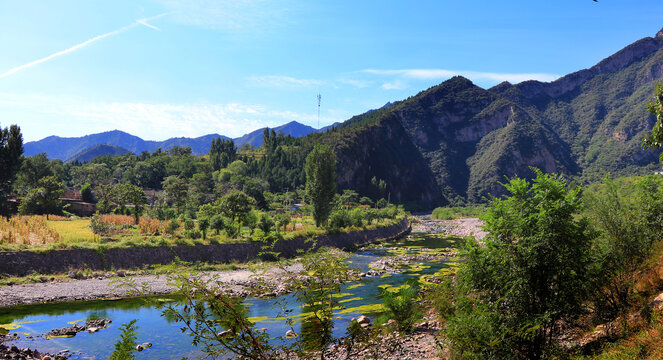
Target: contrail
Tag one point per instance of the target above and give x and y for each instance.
(144, 22)
(84, 44)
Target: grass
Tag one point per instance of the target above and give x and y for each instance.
(77, 230)
(644, 344)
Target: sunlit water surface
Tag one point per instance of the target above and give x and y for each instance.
(168, 340)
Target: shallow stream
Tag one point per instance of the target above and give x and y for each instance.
(361, 298)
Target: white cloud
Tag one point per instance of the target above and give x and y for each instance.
(227, 15)
(283, 81)
(394, 85)
(355, 82)
(433, 74)
(67, 116)
(82, 45)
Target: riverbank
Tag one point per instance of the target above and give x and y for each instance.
(237, 283)
(22, 263)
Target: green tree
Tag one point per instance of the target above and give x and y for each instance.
(33, 169)
(176, 190)
(44, 199)
(203, 225)
(265, 224)
(222, 153)
(11, 152)
(236, 205)
(320, 170)
(132, 194)
(216, 223)
(104, 195)
(655, 139)
(529, 277)
(86, 193)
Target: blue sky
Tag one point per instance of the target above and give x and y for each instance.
(167, 68)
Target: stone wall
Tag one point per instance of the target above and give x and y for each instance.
(21, 263)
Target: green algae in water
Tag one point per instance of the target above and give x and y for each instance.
(18, 324)
(351, 299)
(355, 286)
(340, 295)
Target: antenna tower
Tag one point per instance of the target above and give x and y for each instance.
(319, 99)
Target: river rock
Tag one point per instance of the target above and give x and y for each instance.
(147, 345)
(139, 348)
(290, 334)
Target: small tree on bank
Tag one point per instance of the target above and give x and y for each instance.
(531, 273)
(320, 170)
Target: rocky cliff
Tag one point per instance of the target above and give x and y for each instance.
(584, 125)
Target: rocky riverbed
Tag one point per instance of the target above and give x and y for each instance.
(237, 283)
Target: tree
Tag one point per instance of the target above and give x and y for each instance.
(222, 153)
(203, 225)
(236, 205)
(44, 199)
(265, 224)
(11, 152)
(104, 195)
(529, 277)
(86, 193)
(655, 139)
(176, 189)
(33, 169)
(134, 195)
(320, 170)
(216, 223)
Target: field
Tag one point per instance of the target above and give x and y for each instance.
(37, 233)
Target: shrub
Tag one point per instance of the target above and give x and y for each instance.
(126, 345)
(189, 224)
(98, 226)
(265, 224)
(172, 226)
(531, 274)
(401, 306)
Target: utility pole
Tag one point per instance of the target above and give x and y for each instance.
(319, 99)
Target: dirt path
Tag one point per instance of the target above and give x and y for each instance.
(458, 227)
(237, 281)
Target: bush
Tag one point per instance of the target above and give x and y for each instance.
(401, 306)
(339, 219)
(98, 226)
(628, 214)
(531, 274)
(172, 226)
(189, 224)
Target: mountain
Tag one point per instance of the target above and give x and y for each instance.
(98, 150)
(583, 125)
(65, 148)
(292, 128)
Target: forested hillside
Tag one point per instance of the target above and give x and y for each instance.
(583, 125)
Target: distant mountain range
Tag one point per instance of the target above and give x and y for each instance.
(81, 148)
